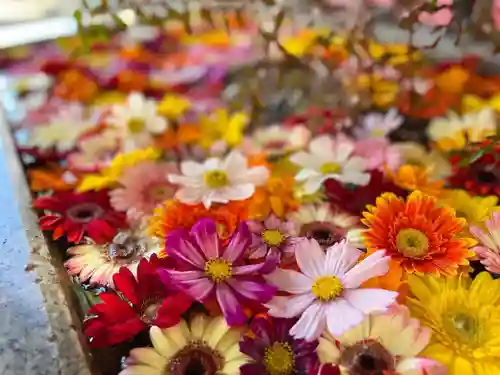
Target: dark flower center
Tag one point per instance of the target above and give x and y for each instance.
(149, 310)
(196, 358)
(325, 233)
(367, 358)
(125, 246)
(85, 212)
(486, 176)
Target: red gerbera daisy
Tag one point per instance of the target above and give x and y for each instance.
(355, 198)
(149, 301)
(75, 215)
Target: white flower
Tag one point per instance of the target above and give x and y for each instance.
(138, 120)
(218, 180)
(329, 158)
(378, 125)
(62, 132)
(277, 140)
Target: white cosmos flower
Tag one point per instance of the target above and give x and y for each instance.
(218, 180)
(329, 158)
(138, 120)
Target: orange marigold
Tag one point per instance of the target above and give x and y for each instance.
(173, 215)
(413, 177)
(418, 234)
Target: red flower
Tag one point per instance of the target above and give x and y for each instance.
(318, 120)
(325, 369)
(75, 215)
(149, 301)
(354, 199)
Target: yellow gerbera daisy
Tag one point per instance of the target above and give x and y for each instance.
(207, 344)
(110, 175)
(464, 316)
(474, 209)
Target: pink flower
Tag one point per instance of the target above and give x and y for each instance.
(273, 237)
(326, 292)
(442, 17)
(145, 186)
(489, 250)
(495, 14)
(205, 269)
(379, 154)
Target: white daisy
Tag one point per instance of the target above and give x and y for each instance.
(204, 344)
(218, 180)
(138, 121)
(329, 158)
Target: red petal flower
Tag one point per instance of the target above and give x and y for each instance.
(148, 301)
(75, 215)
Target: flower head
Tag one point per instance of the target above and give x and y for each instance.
(417, 233)
(207, 269)
(96, 264)
(51, 177)
(378, 153)
(272, 237)
(329, 158)
(205, 344)
(383, 343)
(489, 243)
(435, 164)
(464, 317)
(218, 180)
(277, 140)
(173, 107)
(325, 293)
(143, 187)
(76, 215)
(412, 177)
(221, 125)
(379, 125)
(147, 302)
(273, 351)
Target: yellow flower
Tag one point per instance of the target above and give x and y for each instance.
(209, 38)
(452, 80)
(221, 125)
(173, 106)
(464, 316)
(412, 177)
(384, 92)
(415, 154)
(300, 44)
(474, 209)
(109, 176)
(393, 54)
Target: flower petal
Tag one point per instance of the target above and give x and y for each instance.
(310, 258)
(230, 306)
(340, 258)
(311, 324)
(253, 290)
(377, 264)
(290, 281)
(370, 300)
(290, 307)
(239, 243)
(204, 234)
(341, 316)
(181, 249)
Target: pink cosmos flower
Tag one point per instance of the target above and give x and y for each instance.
(379, 154)
(489, 249)
(325, 293)
(144, 186)
(273, 237)
(204, 269)
(378, 125)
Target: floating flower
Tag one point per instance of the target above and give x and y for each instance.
(325, 293)
(489, 243)
(378, 125)
(209, 269)
(383, 343)
(326, 225)
(147, 302)
(138, 121)
(218, 180)
(412, 177)
(75, 215)
(464, 316)
(355, 199)
(272, 237)
(96, 264)
(223, 126)
(205, 344)
(144, 187)
(417, 233)
(274, 351)
(329, 158)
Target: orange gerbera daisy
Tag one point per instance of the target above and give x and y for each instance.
(414, 177)
(173, 215)
(418, 234)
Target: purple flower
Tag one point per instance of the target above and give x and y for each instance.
(274, 351)
(205, 269)
(273, 237)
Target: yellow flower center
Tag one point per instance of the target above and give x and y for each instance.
(160, 193)
(412, 243)
(377, 133)
(327, 288)
(216, 179)
(218, 270)
(273, 237)
(279, 359)
(330, 168)
(135, 125)
(465, 327)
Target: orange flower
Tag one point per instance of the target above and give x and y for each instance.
(413, 177)
(419, 235)
(276, 197)
(49, 178)
(75, 86)
(128, 81)
(174, 215)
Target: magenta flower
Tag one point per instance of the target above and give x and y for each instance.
(273, 237)
(206, 269)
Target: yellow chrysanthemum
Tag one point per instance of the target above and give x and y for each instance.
(464, 316)
(110, 175)
(474, 209)
(222, 125)
(173, 106)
